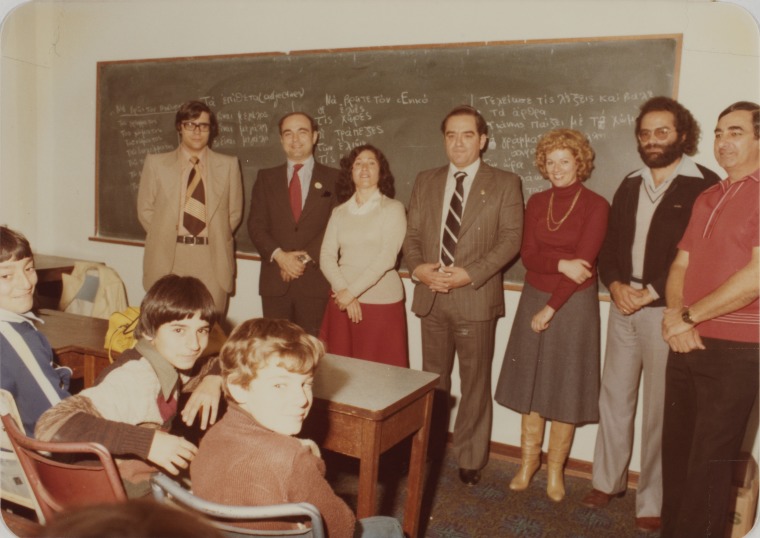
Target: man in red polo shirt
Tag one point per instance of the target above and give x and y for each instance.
(711, 325)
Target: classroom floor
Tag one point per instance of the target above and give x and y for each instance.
(490, 509)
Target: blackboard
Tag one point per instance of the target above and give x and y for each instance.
(393, 98)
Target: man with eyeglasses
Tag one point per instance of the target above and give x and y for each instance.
(649, 214)
(711, 325)
(190, 201)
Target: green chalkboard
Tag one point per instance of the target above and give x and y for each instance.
(393, 98)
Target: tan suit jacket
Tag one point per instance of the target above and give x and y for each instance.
(158, 208)
(489, 238)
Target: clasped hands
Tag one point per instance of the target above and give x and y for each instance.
(292, 264)
(628, 299)
(442, 279)
(682, 337)
(346, 302)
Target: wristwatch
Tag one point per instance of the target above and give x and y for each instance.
(686, 315)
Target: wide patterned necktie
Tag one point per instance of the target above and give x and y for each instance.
(194, 218)
(453, 221)
(295, 192)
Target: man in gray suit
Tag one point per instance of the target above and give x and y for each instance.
(464, 225)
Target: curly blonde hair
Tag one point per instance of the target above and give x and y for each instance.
(255, 341)
(573, 141)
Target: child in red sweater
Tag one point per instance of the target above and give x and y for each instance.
(250, 456)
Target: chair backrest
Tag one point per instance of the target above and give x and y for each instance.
(57, 485)
(221, 514)
(14, 486)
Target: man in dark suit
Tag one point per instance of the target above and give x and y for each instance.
(456, 253)
(290, 207)
(190, 201)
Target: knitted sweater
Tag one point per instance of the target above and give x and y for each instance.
(580, 236)
(239, 462)
(361, 246)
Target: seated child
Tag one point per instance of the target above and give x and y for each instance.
(26, 368)
(130, 408)
(251, 457)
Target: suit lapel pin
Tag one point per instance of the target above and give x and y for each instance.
(317, 185)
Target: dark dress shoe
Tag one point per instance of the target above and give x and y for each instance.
(469, 476)
(648, 524)
(598, 499)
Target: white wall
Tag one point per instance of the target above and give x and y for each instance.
(47, 94)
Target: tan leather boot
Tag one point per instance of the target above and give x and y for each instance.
(531, 439)
(560, 439)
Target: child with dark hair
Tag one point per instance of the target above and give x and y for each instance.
(131, 407)
(26, 368)
(251, 456)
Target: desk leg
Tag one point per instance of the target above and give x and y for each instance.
(416, 477)
(368, 469)
(89, 370)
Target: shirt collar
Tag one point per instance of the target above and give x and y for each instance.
(356, 209)
(308, 166)
(12, 317)
(687, 167)
(166, 373)
(471, 170)
(202, 156)
(726, 184)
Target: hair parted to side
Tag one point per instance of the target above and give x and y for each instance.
(255, 342)
(312, 121)
(747, 106)
(13, 245)
(172, 298)
(345, 186)
(573, 141)
(191, 110)
(467, 110)
(687, 127)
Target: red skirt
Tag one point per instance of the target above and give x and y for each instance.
(379, 337)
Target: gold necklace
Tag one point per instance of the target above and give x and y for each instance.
(550, 217)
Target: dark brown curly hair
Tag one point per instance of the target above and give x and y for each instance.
(345, 187)
(686, 126)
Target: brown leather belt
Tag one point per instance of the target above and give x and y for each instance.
(192, 240)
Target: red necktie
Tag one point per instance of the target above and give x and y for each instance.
(295, 192)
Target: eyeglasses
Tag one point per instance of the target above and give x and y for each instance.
(192, 126)
(661, 133)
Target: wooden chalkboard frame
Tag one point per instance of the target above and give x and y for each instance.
(424, 49)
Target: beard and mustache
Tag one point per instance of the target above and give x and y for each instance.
(667, 155)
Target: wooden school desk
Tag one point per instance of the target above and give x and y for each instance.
(361, 408)
(77, 342)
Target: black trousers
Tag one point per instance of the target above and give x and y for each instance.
(709, 395)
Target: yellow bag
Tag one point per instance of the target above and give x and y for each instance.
(121, 330)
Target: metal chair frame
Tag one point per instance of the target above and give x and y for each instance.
(164, 487)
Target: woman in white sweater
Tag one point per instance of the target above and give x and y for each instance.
(366, 318)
